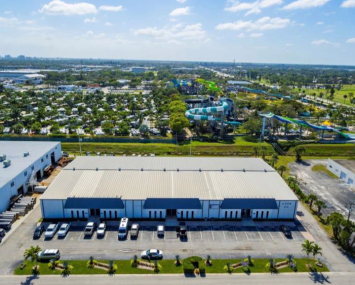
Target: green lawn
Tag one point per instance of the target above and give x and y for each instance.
(338, 96)
(167, 267)
(323, 168)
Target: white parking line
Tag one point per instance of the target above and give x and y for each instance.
(153, 234)
(271, 235)
(224, 234)
(200, 233)
(235, 234)
(141, 232)
(212, 233)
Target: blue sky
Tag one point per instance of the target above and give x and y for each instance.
(270, 31)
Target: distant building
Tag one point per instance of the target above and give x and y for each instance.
(66, 88)
(31, 78)
(344, 169)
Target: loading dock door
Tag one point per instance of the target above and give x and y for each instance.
(342, 175)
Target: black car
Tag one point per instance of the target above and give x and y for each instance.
(182, 230)
(2, 232)
(5, 225)
(286, 231)
(38, 232)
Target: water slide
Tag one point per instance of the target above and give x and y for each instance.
(306, 124)
(262, 92)
(203, 114)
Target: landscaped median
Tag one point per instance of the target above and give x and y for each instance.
(190, 266)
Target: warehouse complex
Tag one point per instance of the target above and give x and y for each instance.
(22, 162)
(161, 187)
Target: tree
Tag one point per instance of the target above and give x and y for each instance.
(108, 127)
(307, 247)
(336, 220)
(281, 169)
(299, 151)
(256, 150)
(253, 125)
(178, 122)
(18, 128)
(32, 254)
(316, 250)
(55, 128)
(36, 127)
(274, 159)
(312, 198)
(263, 151)
(345, 96)
(320, 205)
(144, 130)
(123, 129)
(177, 107)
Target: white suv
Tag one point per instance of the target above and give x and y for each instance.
(90, 228)
(48, 254)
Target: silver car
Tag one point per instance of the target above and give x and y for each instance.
(48, 254)
(101, 230)
(63, 230)
(51, 230)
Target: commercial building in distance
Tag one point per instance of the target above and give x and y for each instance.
(23, 162)
(161, 187)
(344, 169)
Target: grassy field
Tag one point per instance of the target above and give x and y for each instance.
(167, 267)
(338, 96)
(323, 168)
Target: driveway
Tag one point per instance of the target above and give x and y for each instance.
(335, 192)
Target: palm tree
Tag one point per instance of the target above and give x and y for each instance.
(312, 198)
(345, 96)
(281, 169)
(299, 151)
(316, 250)
(256, 150)
(274, 159)
(336, 220)
(290, 258)
(295, 181)
(32, 253)
(263, 151)
(320, 205)
(307, 247)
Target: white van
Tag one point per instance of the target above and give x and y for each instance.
(122, 230)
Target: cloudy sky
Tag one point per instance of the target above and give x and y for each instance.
(273, 31)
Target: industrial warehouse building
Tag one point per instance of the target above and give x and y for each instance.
(344, 169)
(161, 187)
(22, 162)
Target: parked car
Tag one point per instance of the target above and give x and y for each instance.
(286, 231)
(48, 254)
(38, 232)
(64, 229)
(2, 232)
(122, 230)
(89, 229)
(152, 254)
(51, 230)
(160, 231)
(182, 230)
(5, 225)
(101, 230)
(134, 231)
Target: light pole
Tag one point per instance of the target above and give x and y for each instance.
(80, 139)
(191, 146)
(350, 209)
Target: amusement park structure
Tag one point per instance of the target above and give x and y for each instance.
(302, 124)
(221, 111)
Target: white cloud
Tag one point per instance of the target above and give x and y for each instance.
(111, 8)
(348, 4)
(320, 23)
(181, 11)
(253, 7)
(7, 12)
(256, 35)
(58, 7)
(288, 45)
(325, 42)
(265, 23)
(92, 20)
(351, 41)
(8, 21)
(327, 31)
(304, 4)
(177, 32)
(181, 1)
(90, 33)
(108, 24)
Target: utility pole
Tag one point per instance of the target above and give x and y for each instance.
(350, 209)
(191, 146)
(80, 139)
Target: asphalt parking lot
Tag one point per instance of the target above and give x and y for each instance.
(335, 192)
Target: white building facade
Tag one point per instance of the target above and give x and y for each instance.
(344, 169)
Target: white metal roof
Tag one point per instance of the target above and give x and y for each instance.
(14, 151)
(124, 178)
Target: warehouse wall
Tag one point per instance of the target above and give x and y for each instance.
(342, 172)
(287, 209)
(52, 209)
(10, 189)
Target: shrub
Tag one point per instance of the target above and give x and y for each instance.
(91, 262)
(112, 267)
(177, 261)
(228, 268)
(67, 268)
(191, 263)
(52, 264)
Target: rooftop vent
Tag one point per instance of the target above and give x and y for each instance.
(141, 169)
(178, 170)
(2, 157)
(164, 169)
(200, 170)
(97, 169)
(73, 168)
(243, 169)
(7, 163)
(25, 154)
(222, 170)
(119, 169)
(265, 170)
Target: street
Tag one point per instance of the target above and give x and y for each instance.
(255, 279)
